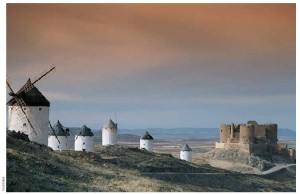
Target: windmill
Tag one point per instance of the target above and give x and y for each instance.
(84, 140)
(58, 137)
(28, 109)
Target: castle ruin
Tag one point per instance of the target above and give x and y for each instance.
(253, 138)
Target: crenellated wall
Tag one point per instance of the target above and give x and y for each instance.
(252, 137)
(252, 132)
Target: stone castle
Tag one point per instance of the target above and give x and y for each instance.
(253, 138)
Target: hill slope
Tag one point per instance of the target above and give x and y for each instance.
(119, 168)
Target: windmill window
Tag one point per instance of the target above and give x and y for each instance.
(83, 143)
(57, 146)
(24, 108)
(40, 109)
(24, 124)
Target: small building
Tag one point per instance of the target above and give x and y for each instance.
(109, 133)
(62, 134)
(146, 142)
(186, 153)
(84, 140)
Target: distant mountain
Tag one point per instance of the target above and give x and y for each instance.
(181, 133)
(286, 134)
(194, 133)
(176, 133)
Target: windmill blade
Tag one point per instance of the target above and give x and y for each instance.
(20, 102)
(67, 132)
(8, 82)
(54, 132)
(76, 136)
(43, 74)
(29, 86)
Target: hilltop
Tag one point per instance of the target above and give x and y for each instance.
(121, 168)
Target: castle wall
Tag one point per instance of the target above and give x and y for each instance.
(18, 122)
(219, 145)
(186, 155)
(109, 136)
(146, 144)
(55, 145)
(225, 133)
(247, 134)
(84, 143)
(247, 148)
(271, 133)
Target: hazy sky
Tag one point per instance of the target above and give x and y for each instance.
(158, 65)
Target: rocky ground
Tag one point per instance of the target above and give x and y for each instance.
(121, 168)
(242, 162)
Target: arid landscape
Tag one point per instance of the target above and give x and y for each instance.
(125, 167)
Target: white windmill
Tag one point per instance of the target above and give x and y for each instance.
(84, 140)
(186, 153)
(58, 137)
(28, 110)
(146, 142)
(109, 133)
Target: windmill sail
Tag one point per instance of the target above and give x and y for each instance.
(27, 101)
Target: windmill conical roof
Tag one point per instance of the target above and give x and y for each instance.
(31, 98)
(59, 130)
(85, 131)
(146, 136)
(185, 147)
(110, 124)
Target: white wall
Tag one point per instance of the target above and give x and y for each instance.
(55, 145)
(109, 136)
(85, 142)
(16, 121)
(186, 155)
(219, 145)
(147, 144)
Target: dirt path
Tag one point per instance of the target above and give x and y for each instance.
(275, 169)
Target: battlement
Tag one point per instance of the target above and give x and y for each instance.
(251, 132)
(252, 137)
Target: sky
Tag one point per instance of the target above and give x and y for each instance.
(158, 65)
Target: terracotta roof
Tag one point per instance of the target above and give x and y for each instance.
(32, 98)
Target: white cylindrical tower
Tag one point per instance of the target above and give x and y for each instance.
(36, 108)
(84, 140)
(62, 134)
(146, 142)
(109, 133)
(186, 153)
